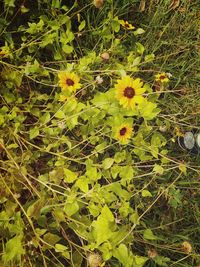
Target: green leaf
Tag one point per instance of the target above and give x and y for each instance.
(82, 184)
(146, 193)
(106, 213)
(182, 167)
(60, 114)
(107, 163)
(139, 31)
(34, 132)
(148, 235)
(51, 239)
(81, 26)
(68, 49)
(14, 249)
(60, 248)
(140, 48)
(158, 169)
(71, 208)
(121, 253)
(34, 209)
(148, 110)
(102, 229)
(69, 176)
(139, 261)
(45, 118)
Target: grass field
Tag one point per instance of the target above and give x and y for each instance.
(94, 96)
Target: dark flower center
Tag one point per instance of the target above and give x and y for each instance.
(162, 77)
(69, 82)
(126, 25)
(123, 131)
(129, 92)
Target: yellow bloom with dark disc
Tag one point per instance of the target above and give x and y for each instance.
(127, 25)
(123, 133)
(162, 77)
(129, 92)
(69, 81)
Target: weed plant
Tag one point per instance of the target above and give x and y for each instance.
(93, 97)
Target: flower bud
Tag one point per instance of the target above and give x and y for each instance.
(105, 56)
(186, 246)
(94, 260)
(98, 3)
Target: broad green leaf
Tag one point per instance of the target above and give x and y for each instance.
(60, 114)
(106, 213)
(45, 117)
(158, 169)
(34, 132)
(69, 176)
(148, 235)
(51, 239)
(14, 249)
(107, 163)
(146, 193)
(82, 184)
(139, 261)
(71, 208)
(60, 248)
(121, 253)
(68, 49)
(34, 210)
(101, 230)
(139, 31)
(140, 48)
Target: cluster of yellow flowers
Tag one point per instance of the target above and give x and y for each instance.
(129, 93)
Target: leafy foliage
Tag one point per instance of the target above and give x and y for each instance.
(73, 192)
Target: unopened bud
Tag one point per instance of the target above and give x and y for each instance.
(152, 253)
(98, 3)
(105, 56)
(186, 246)
(94, 260)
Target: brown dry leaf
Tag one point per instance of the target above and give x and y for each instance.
(142, 5)
(174, 4)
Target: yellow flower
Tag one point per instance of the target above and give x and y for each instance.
(127, 25)
(162, 77)
(69, 82)
(129, 92)
(123, 133)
